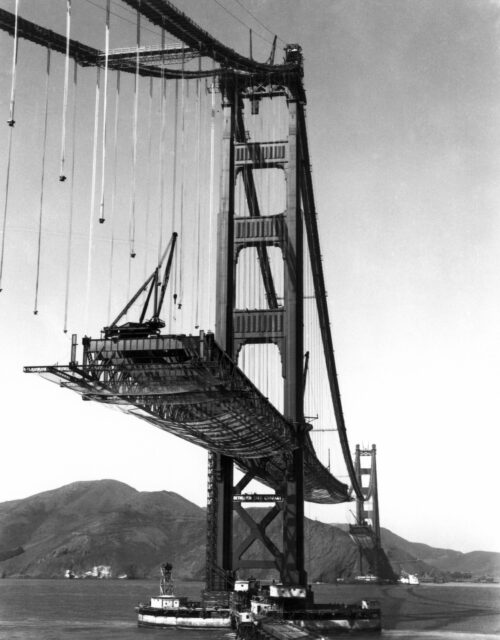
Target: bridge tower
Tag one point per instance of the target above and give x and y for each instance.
(278, 324)
(366, 531)
(367, 511)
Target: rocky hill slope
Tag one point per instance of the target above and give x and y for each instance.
(106, 522)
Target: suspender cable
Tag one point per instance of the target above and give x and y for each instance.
(148, 198)
(174, 187)
(211, 188)
(162, 149)
(42, 180)
(92, 194)
(71, 201)
(62, 176)
(181, 243)
(11, 122)
(134, 150)
(104, 113)
(113, 192)
(198, 204)
(5, 210)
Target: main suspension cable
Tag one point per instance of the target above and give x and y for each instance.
(42, 180)
(62, 176)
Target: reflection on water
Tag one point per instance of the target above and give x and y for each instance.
(104, 609)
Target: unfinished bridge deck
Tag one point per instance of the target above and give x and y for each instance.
(189, 387)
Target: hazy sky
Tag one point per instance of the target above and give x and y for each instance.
(404, 130)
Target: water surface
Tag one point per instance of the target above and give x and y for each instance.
(104, 610)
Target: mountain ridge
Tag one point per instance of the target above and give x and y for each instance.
(107, 522)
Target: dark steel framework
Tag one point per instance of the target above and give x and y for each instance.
(368, 515)
(190, 386)
(366, 531)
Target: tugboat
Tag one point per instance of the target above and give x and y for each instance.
(257, 610)
(280, 611)
(168, 610)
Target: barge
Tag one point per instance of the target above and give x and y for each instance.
(256, 610)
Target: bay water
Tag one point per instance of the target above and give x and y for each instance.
(104, 609)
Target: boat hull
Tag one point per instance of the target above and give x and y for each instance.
(189, 619)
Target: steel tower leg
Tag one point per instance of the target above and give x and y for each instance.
(220, 498)
(289, 227)
(293, 572)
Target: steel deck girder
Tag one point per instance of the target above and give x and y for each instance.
(198, 394)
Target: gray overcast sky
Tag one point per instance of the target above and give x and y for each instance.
(404, 130)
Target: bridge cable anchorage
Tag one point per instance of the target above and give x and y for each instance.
(104, 114)
(113, 192)
(92, 194)
(134, 142)
(42, 180)
(71, 197)
(62, 176)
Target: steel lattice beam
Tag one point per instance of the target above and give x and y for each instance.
(204, 399)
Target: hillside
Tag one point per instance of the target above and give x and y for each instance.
(106, 522)
(478, 563)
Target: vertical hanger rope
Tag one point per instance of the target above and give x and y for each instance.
(62, 176)
(104, 115)
(42, 181)
(134, 141)
(11, 122)
(92, 194)
(71, 202)
(113, 192)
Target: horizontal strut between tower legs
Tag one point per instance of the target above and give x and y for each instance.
(256, 497)
(261, 155)
(259, 231)
(257, 531)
